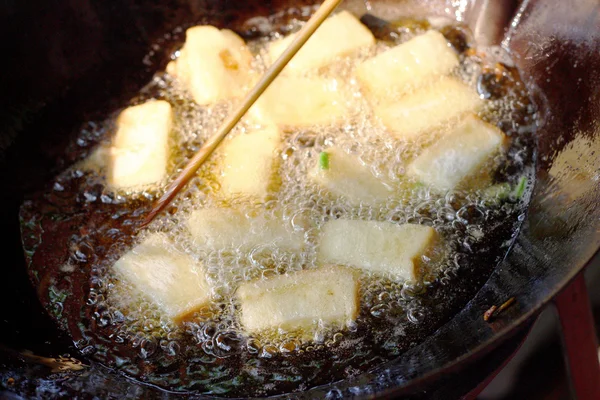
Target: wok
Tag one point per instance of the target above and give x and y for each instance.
(66, 62)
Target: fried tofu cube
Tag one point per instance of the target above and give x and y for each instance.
(443, 102)
(300, 102)
(140, 148)
(407, 66)
(213, 64)
(380, 247)
(459, 157)
(249, 162)
(300, 301)
(226, 228)
(340, 35)
(345, 175)
(171, 279)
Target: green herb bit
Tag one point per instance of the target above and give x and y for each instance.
(520, 188)
(324, 160)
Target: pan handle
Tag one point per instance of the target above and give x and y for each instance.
(579, 339)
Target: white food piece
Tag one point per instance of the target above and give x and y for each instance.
(222, 228)
(407, 66)
(380, 247)
(347, 176)
(340, 35)
(300, 102)
(248, 163)
(172, 280)
(443, 102)
(459, 156)
(213, 64)
(300, 301)
(140, 148)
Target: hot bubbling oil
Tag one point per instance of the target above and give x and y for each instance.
(211, 353)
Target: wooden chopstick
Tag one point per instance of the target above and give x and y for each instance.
(211, 144)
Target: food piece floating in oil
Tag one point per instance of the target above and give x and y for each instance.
(300, 102)
(350, 214)
(226, 228)
(172, 280)
(443, 102)
(249, 163)
(300, 302)
(417, 62)
(460, 156)
(381, 247)
(345, 175)
(140, 149)
(340, 35)
(213, 64)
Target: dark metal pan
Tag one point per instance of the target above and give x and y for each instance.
(64, 62)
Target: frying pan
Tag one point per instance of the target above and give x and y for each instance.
(64, 61)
